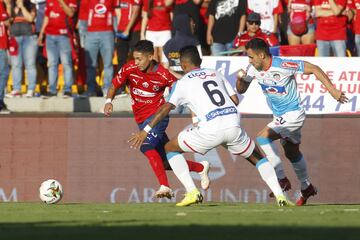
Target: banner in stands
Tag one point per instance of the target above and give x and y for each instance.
(343, 72)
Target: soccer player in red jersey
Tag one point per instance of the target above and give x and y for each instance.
(147, 81)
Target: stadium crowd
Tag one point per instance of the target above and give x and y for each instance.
(88, 35)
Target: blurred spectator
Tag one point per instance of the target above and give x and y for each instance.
(301, 29)
(269, 11)
(184, 27)
(254, 31)
(356, 8)
(226, 19)
(156, 25)
(191, 8)
(331, 27)
(99, 38)
(41, 62)
(128, 29)
(56, 26)
(350, 34)
(23, 45)
(4, 66)
(204, 21)
(82, 21)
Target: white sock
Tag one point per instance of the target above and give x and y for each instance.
(301, 172)
(181, 170)
(272, 154)
(268, 174)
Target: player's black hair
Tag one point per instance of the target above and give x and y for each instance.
(258, 45)
(191, 53)
(144, 46)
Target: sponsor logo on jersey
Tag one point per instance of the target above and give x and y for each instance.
(220, 112)
(124, 5)
(147, 101)
(273, 89)
(289, 65)
(201, 75)
(134, 75)
(142, 93)
(145, 84)
(155, 82)
(100, 9)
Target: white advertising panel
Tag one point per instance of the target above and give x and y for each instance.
(343, 72)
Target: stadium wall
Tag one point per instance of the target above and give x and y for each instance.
(94, 163)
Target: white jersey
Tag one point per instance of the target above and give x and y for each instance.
(266, 9)
(278, 84)
(207, 93)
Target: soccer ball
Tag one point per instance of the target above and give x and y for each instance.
(51, 191)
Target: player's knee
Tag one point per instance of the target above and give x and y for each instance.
(263, 140)
(146, 147)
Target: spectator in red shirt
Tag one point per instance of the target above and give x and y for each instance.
(4, 66)
(254, 31)
(156, 25)
(331, 27)
(99, 38)
(301, 29)
(23, 45)
(147, 81)
(129, 26)
(57, 26)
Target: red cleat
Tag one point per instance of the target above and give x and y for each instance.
(284, 184)
(305, 194)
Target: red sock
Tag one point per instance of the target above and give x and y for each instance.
(195, 166)
(157, 166)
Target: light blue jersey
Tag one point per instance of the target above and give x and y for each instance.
(278, 84)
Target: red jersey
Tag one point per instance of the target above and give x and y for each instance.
(146, 89)
(101, 14)
(57, 18)
(269, 37)
(332, 27)
(356, 7)
(3, 34)
(84, 10)
(126, 9)
(160, 16)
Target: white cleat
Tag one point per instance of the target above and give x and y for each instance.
(164, 191)
(205, 180)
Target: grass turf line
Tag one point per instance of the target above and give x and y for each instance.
(164, 220)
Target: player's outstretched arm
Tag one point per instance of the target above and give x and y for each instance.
(137, 139)
(324, 79)
(241, 84)
(108, 108)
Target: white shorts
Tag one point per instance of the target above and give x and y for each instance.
(234, 139)
(289, 126)
(159, 38)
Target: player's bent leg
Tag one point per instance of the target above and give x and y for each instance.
(181, 170)
(268, 174)
(156, 163)
(265, 139)
(292, 152)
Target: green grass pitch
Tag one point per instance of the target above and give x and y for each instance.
(165, 221)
